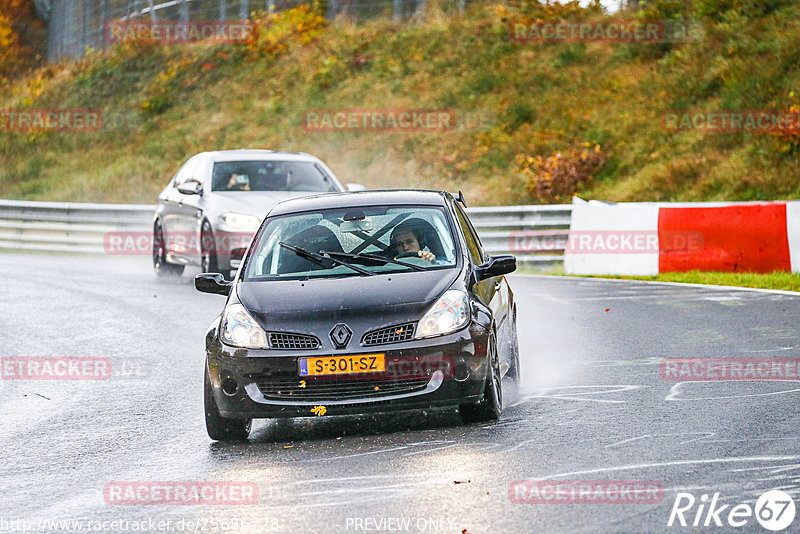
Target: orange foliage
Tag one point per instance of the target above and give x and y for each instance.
(278, 31)
(10, 50)
(558, 176)
(16, 22)
(788, 135)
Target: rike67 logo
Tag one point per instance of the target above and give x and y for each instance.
(774, 510)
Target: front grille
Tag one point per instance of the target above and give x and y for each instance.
(282, 340)
(326, 389)
(392, 334)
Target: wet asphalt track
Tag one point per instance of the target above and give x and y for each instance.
(592, 407)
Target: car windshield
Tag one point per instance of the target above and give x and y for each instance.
(270, 176)
(352, 242)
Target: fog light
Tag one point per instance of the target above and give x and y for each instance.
(461, 371)
(230, 386)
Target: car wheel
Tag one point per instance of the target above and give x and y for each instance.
(160, 264)
(490, 408)
(222, 428)
(208, 253)
(513, 371)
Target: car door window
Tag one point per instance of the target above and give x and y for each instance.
(473, 243)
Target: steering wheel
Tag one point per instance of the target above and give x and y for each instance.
(407, 255)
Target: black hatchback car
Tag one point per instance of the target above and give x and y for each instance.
(350, 303)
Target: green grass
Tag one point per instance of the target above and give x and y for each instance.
(776, 280)
(164, 104)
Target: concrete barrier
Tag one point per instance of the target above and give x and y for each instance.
(758, 237)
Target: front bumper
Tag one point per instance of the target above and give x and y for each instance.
(230, 246)
(443, 371)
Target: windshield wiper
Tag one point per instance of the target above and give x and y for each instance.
(368, 256)
(320, 260)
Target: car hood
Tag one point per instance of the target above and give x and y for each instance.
(364, 303)
(257, 203)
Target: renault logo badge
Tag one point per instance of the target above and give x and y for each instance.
(340, 335)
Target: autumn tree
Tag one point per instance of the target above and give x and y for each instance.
(22, 37)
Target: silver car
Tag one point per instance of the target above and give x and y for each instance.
(210, 210)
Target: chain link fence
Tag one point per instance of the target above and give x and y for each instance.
(75, 25)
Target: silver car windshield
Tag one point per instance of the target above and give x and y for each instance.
(374, 239)
(270, 176)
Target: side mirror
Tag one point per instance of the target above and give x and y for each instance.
(496, 266)
(191, 187)
(213, 283)
(355, 187)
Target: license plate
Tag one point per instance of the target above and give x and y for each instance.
(341, 365)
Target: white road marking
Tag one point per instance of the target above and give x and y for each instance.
(429, 450)
(572, 396)
(672, 464)
(675, 392)
(776, 469)
(748, 440)
(360, 454)
(621, 297)
(518, 445)
(770, 350)
(703, 434)
(600, 281)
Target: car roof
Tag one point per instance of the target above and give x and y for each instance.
(348, 199)
(257, 155)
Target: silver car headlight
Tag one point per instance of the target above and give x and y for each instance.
(239, 329)
(450, 313)
(240, 221)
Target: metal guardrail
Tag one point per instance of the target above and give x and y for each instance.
(497, 227)
(66, 227)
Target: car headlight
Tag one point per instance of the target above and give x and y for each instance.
(240, 221)
(450, 313)
(240, 330)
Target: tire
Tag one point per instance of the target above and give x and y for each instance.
(208, 250)
(160, 264)
(491, 407)
(513, 371)
(221, 428)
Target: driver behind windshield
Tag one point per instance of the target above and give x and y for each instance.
(407, 238)
(238, 182)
